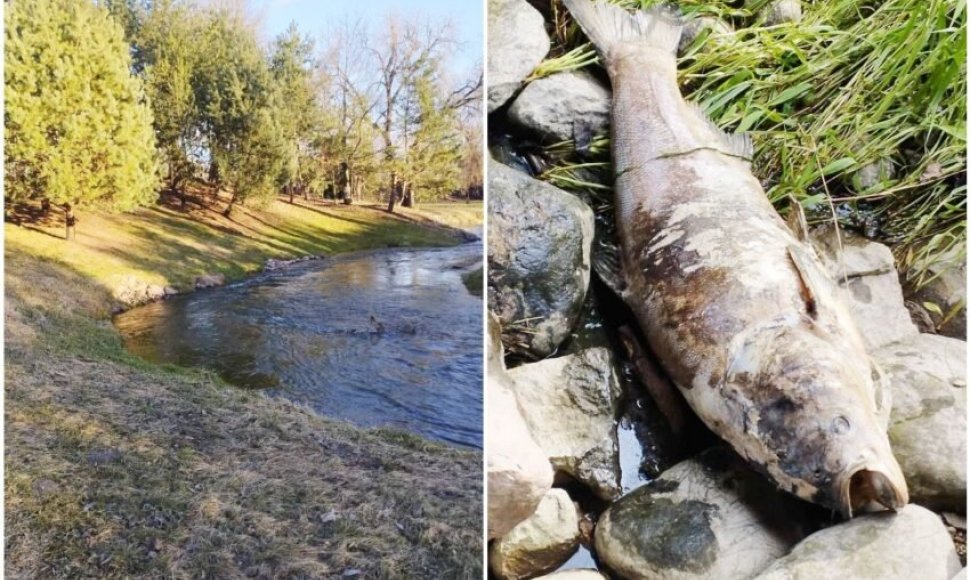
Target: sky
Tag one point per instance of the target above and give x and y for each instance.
(313, 17)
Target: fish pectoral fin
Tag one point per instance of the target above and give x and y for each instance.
(797, 222)
(660, 388)
(814, 286)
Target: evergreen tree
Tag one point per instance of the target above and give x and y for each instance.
(435, 155)
(236, 100)
(297, 114)
(165, 42)
(78, 129)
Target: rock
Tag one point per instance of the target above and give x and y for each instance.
(694, 27)
(517, 42)
(947, 290)
(911, 543)
(570, 405)
(873, 174)
(210, 280)
(540, 543)
(866, 272)
(928, 426)
(574, 575)
(707, 517)
(171, 290)
(131, 291)
(519, 474)
(782, 11)
(961, 575)
(552, 106)
(538, 260)
(921, 317)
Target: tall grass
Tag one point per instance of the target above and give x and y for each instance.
(855, 83)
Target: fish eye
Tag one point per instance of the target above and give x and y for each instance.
(841, 425)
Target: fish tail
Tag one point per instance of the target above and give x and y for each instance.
(607, 25)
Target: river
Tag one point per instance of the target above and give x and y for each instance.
(379, 338)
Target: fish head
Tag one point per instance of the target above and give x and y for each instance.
(817, 424)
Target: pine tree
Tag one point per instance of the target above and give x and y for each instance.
(78, 128)
(236, 100)
(297, 114)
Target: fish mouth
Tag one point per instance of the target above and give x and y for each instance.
(869, 490)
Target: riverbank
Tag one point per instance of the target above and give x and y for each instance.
(116, 467)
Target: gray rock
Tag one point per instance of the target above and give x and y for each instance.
(570, 405)
(552, 106)
(928, 427)
(782, 11)
(538, 260)
(171, 290)
(873, 174)
(912, 543)
(517, 42)
(540, 543)
(866, 273)
(517, 469)
(210, 280)
(707, 517)
(947, 289)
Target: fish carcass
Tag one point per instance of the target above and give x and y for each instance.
(738, 309)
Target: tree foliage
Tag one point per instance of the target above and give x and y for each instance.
(78, 128)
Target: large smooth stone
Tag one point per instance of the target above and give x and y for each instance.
(517, 43)
(912, 543)
(539, 240)
(707, 517)
(782, 11)
(553, 106)
(866, 273)
(518, 470)
(927, 375)
(570, 405)
(574, 575)
(540, 543)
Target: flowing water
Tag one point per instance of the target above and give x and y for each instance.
(379, 338)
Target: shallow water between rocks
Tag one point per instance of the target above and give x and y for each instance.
(305, 333)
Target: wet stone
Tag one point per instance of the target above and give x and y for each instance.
(707, 517)
(540, 239)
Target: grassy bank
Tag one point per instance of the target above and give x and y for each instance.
(118, 468)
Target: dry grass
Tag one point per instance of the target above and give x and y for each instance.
(117, 468)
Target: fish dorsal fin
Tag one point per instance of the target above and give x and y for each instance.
(733, 144)
(797, 221)
(815, 288)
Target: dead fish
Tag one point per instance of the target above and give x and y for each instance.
(738, 308)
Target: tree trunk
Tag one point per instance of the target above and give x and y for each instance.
(346, 191)
(289, 188)
(408, 200)
(232, 200)
(45, 207)
(69, 221)
(392, 198)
